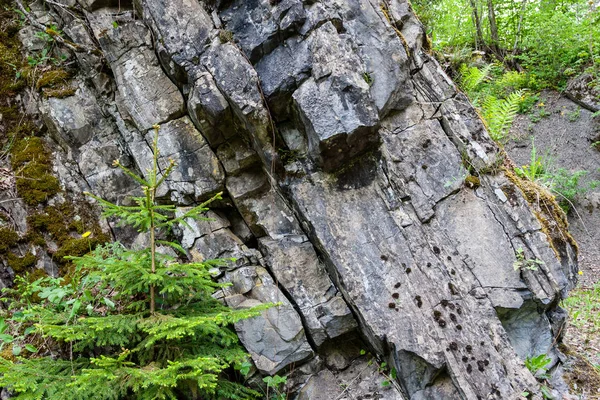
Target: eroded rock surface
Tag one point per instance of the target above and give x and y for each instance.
(360, 189)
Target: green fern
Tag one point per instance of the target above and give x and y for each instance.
(500, 113)
(472, 77)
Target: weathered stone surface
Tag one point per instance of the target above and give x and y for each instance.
(361, 380)
(236, 157)
(343, 150)
(209, 109)
(197, 172)
(259, 25)
(91, 5)
(179, 49)
(148, 96)
(237, 80)
(334, 105)
(277, 339)
(295, 265)
(583, 92)
(76, 119)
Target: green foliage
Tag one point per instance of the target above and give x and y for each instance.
(549, 40)
(536, 167)
(522, 263)
(536, 117)
(275, 384)
(471, 78)
(500, 113)
(567, 185)
(537, 365)
(125, 323)
(582, 305)
(564, 184)
(499, 95)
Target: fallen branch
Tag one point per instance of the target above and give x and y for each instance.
(78, 48)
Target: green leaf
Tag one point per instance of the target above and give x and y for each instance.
(17, 350)
(109, 302)
(75, 308)
(5, 338)
(31, 348)
(385, 383)
(244, 368)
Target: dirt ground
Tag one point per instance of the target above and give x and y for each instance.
(564, 134)
(565, 138)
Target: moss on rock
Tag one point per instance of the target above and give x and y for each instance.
(52, 77)
(32, 164)
(8, 238)
(547, 210)
(21, 264)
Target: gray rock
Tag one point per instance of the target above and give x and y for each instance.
(296, 266)
(335, 106)
(197, 172)
(276, 339)
(148, 95)
(209, 109)
(179, 49)
(76, 119)
(238, 82)
(343, 149)
(236, 157)
(92, 5)
(282, 71)
(583, 92)
(260, 25)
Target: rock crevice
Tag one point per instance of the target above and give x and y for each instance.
(361, 189)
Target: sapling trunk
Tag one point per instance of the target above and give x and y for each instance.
(151, 198)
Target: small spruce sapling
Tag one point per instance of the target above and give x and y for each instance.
(127, 324)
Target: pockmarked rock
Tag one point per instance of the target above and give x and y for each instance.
(361, 191)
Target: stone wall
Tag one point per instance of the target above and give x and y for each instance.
(362, 190)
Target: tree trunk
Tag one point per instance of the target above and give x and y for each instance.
(519, 26)
(479, 42)
(495, 45)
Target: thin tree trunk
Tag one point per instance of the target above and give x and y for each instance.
(151, 197)
(518, 34)
(477, 22)
(493, 25)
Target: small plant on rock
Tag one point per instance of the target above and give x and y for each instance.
(275, 387)
(522, 263)
(126, 324)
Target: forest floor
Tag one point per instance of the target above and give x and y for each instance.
(564, 135)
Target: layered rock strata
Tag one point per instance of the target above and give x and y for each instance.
(361, 189)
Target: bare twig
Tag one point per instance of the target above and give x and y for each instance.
(78, 48)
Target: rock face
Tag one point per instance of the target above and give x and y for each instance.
(361, 189)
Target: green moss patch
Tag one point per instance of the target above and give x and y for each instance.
(60, 226)
(64, 224)
(21, 264)
(32, 165)
(8, 238)
(52, 77)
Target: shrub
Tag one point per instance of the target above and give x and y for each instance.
(126, 323)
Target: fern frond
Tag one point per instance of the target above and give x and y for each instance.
(500, 113)
(472, 77)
